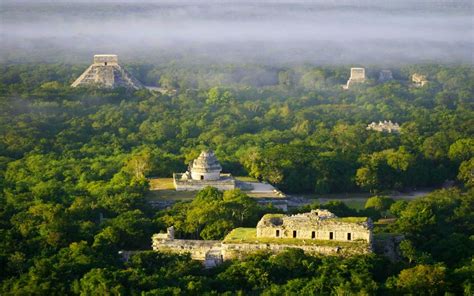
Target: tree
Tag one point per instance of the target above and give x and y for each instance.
(422, 280)
(461, 150)
(379, 203)
(466, 172)
(139, 164)
(101, 281)
(398, 207)
(217, 96)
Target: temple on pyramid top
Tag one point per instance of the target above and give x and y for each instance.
(105, 72)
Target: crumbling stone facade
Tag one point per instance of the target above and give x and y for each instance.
(385, 126)
(419, 80)
(105, 72)
(317, 224)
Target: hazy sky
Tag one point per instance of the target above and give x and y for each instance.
(337, 31)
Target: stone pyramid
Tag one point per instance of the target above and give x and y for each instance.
(105, 72)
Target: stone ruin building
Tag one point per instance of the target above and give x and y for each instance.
(385, 75)
(357, 76)
(202, 172)
(317, 224)
(419, 80)
(385, 126)
(105, 72)
(316, 232)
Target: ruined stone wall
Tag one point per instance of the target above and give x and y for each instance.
(194, 185)
(321, 231)
(197, 248)
(105, 58)
(388, 246)
(357, 74)
(338, 234)
(202, 250)
(240, 250)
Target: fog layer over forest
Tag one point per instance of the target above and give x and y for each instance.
(273, 32)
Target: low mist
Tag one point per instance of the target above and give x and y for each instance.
(270, 32)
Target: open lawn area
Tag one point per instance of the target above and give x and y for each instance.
(161, 183)
(245, 179)
(163, 189)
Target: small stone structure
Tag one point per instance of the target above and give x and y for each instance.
(357, 76)
(419, 80)
(316, 232)
(385, 75)
(105, 72)
(202, 172)
(385, 126)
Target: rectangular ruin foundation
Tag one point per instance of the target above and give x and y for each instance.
(226, 182)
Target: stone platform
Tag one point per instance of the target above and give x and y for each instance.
(225, 182)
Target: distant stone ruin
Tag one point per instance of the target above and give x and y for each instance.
(385, 75)
(357, 76)
(385, 126)
(419, 80)
(202, 172)
(316, 232)
(105, 72)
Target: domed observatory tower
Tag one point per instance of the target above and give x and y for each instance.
(203, 171)
(206, 167)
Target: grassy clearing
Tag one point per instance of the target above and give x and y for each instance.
(245, 179)
(163, 189)
(269, 216)
(241, 234)
(161, 184)
(352, 219)
(249, 236)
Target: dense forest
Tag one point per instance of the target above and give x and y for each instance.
(73, 195)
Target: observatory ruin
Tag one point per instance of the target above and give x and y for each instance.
(202, 172)
(105, 72)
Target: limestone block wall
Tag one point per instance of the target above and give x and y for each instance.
(357, 74)
(205, 175)
(105, 58)
(197, 248)
(340, 232)
(105, 76)
(240, 250)
(189, 186)
(227, 183)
